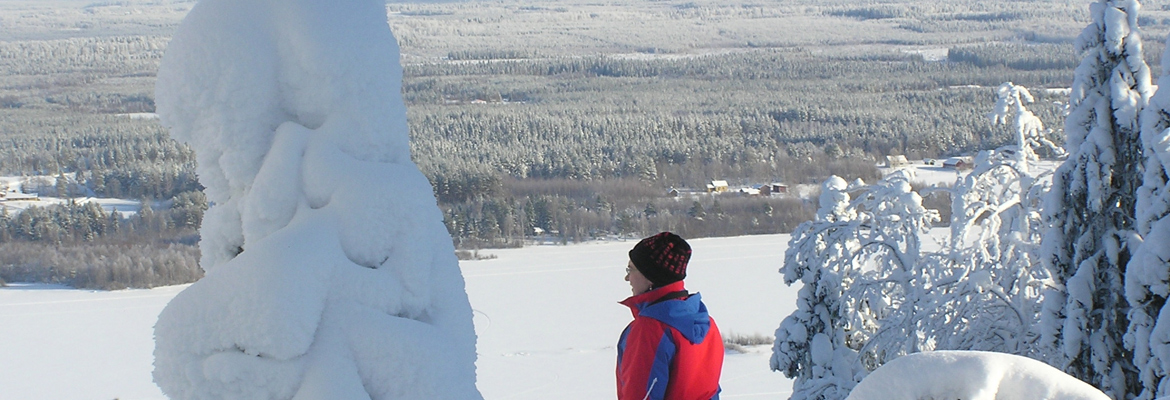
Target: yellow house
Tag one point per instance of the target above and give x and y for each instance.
(717, 187)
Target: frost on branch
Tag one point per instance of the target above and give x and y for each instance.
(329, 272)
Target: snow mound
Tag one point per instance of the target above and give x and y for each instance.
(329, 272)
(970, 375)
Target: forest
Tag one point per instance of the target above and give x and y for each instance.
(560, 121)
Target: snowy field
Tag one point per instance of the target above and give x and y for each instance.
(12, 185)
(547, 319)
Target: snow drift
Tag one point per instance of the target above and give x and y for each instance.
(329, 272)
(970, 375)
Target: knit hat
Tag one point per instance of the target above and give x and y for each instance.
(662, 258)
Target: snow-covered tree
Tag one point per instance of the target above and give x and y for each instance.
(1147, 278)
(1029, 130)
(811, 343)
(858, 262)
(988, 283)
(1090, 208)
(330, 274)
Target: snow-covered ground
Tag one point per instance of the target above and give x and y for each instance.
(547, 319)
(123, 206)
(971, 375)
(937, 174)
(13, 184)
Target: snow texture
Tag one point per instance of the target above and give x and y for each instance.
(1090, 208)
(1147, 278)
(329, 272)
(971, 375)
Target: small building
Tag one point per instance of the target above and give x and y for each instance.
(717, 187)
(750, 191)
(958, 163)
(779, 187)
(896, 161)
(18, 196)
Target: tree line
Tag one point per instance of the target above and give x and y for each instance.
(84, 246)
(565, 211)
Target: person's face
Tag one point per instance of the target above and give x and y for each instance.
(638, 283)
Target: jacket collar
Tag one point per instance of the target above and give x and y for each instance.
(638, 302)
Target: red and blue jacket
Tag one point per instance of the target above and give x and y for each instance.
(672, 350)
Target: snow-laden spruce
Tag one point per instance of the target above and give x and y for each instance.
(859, 263)
(329, 272)
(971, 375)
(1091, 204)
(1147, 277)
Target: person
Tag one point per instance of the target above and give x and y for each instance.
(672, 349)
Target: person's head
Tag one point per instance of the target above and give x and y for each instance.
(657, 261)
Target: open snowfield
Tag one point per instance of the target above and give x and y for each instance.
(12, 184)
(547, 319)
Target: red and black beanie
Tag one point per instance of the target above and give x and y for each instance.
(662, 258)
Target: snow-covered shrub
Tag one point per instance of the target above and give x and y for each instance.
(987, 283)
(985, 293)
(858, 262)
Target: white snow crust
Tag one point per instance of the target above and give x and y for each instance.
(970, 375)
(329, 272)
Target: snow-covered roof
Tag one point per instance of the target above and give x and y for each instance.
(13, 196)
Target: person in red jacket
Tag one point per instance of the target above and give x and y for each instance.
(672, 350)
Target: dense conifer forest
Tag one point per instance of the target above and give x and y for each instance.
(553, 122)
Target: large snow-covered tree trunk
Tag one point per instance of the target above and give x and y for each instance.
(329, 272)
(1147, 278)
(1091, 204)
